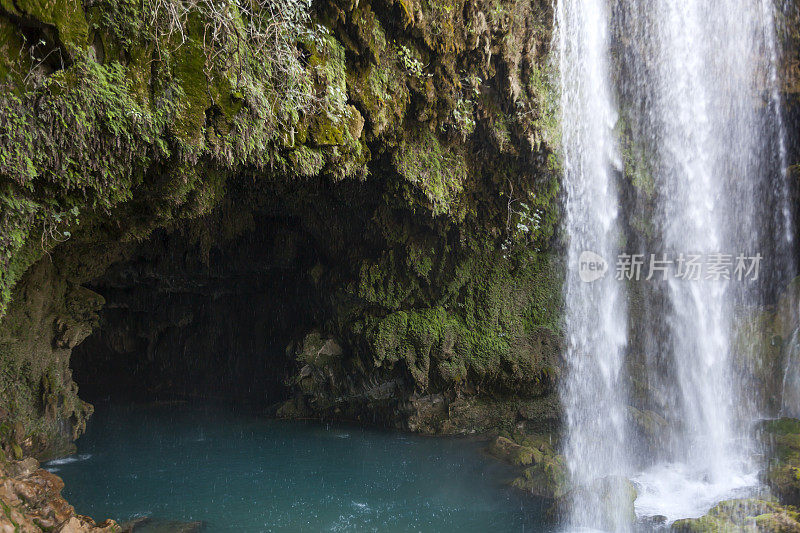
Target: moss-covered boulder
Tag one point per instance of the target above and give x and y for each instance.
(507, 450)
(546, 478)
(541, 470)
(746, 515)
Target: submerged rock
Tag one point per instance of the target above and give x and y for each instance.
(743, 515)
(152, 525)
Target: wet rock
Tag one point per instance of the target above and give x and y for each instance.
(611, 499)
(743, 515)
(649, 425)
(31, 502)
(545, 479)
(782, 439)
(767, 352)
(542, 472)
(654, 521)
(511, 452)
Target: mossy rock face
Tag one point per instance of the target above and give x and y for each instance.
(374, 125)
(782, 427)
(437, 171)
(766, 345)
(750, 515)
(782, 440)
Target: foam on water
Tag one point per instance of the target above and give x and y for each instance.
(67, 460)
(677, 490)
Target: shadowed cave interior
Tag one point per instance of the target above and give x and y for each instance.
(212, 310)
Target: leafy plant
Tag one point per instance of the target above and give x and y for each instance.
(410, 61)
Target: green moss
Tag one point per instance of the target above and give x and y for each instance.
(81, 146)
(516, 454)
(13, 62)
(783, 426)
(547, 124)
(66, 16)
(381, 93)
(370, 32)
(306, 161)
(742, 515)
(438, 172)
(547, 478)
(494, 327)
(782, 437)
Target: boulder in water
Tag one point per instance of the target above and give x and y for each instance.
(743, 515)
(516, 454)
(546, 479)
(543, 473)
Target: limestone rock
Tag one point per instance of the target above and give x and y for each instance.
(32, 502)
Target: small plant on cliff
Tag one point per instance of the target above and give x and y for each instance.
(464, 116)
(410, 61)
(522, 221)
(53, 224)
(464, 111)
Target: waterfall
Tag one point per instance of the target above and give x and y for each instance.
(595, 311)
(674, 153)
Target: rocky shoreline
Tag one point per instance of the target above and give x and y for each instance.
(542, 473)
(31, 502)
(31, 496)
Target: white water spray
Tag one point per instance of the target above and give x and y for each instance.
(595, 312)
(696, 86)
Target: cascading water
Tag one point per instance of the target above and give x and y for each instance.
(595, 312)
(694, 111)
